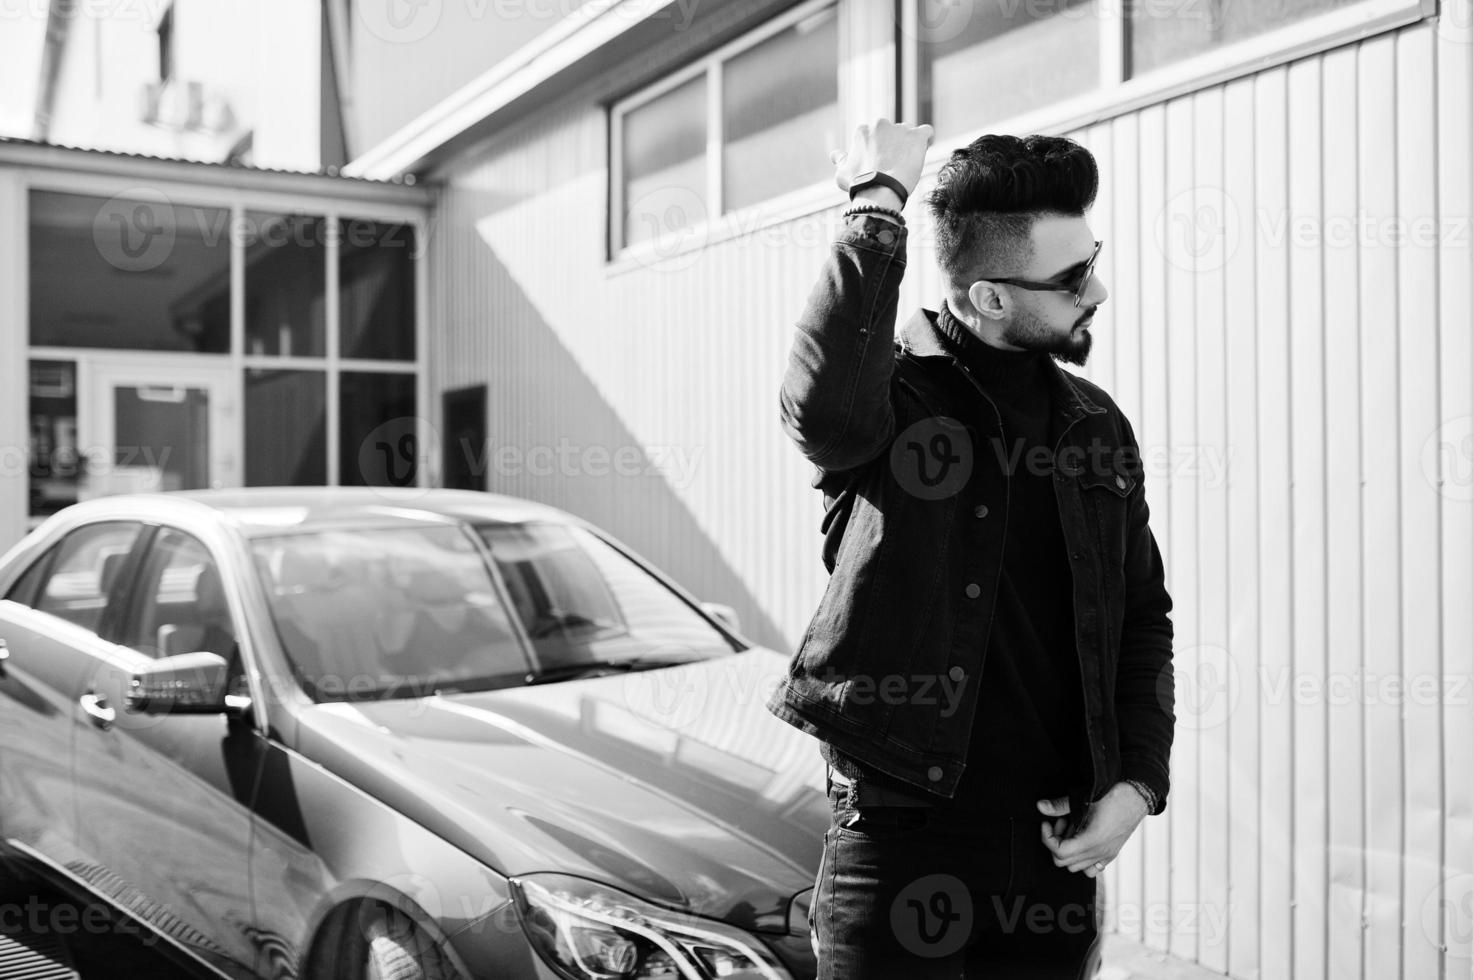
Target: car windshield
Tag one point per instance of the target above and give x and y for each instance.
(368, 613)
(583, 601)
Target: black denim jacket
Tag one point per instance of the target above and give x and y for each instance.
(910, 459)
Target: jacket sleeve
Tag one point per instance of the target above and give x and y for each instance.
(1145, 694)
(835, 395)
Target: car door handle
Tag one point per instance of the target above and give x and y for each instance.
(96, 707)
(4, 656)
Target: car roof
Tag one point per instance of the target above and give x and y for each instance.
(258, 511)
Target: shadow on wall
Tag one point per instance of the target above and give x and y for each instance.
(553, 437)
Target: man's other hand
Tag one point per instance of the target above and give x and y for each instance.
(1108, 825)
(899, 149)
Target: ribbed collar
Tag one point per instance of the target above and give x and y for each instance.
(993, 366)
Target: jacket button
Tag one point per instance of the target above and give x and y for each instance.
(981, 510)
(956, 673)
(1120, 482)
(973, 590)
(934, 773)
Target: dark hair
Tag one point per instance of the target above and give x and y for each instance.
(990, 192)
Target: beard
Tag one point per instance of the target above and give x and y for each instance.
(1030, 333)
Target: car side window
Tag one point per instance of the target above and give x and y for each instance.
(81, 570)
(179, 604)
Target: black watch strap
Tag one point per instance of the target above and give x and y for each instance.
(872, 177)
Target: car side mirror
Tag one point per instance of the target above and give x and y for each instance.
(184, 684)
(725, 613)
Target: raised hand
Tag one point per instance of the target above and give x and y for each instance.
(899, 149)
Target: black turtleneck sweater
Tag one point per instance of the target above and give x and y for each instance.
(1027, 738)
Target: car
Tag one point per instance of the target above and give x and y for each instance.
(357, 733)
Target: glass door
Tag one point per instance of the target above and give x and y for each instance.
(159, 426)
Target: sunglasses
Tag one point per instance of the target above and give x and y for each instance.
(1077, 287)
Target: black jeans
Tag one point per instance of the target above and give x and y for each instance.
(917, 891)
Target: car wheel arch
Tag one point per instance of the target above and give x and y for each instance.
(334, 933)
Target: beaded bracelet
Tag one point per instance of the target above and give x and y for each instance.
(858, 209)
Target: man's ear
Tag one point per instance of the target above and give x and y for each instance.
(986, 300)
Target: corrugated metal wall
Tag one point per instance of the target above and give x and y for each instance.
(1289, 329)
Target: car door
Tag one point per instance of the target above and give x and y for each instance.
(50, 620)
(163, 801)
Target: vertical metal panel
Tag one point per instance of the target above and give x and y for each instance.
(1217, 662)
(1381, 525)
(1307, 330)
(1416, 317)
(1232, 469)
(1453, 464)
(1127, 886)
(1343, 513)
(1154, 429)
(1182, 552)
(1276, 785)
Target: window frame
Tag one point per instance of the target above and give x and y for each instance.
(239, 202)
(125, 621)
(799, 200)
(118, 590)
(1117, 95)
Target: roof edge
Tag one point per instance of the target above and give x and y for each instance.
(583, 32)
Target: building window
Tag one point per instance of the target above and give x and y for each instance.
(133, 274)
(1161, 33)
(974, 66)
(744, 126)
(376, 290)
(285, 284)
(285, 428)
(984, 61)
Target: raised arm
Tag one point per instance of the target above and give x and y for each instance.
(835, 395)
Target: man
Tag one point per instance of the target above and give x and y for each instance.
(989, 671)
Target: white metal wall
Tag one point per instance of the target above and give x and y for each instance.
(1302, 384)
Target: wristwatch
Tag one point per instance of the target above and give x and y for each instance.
(871, 177)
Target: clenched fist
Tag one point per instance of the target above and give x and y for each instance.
(899, 149)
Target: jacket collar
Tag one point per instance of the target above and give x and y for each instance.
(921, 338)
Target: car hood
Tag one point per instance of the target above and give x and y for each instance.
(675, 784)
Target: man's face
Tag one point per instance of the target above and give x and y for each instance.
(1049, 321)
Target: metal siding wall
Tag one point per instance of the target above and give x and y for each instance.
(1309, 835)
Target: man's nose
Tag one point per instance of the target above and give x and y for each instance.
(1095, 293)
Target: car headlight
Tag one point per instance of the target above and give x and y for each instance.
(588, 931)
